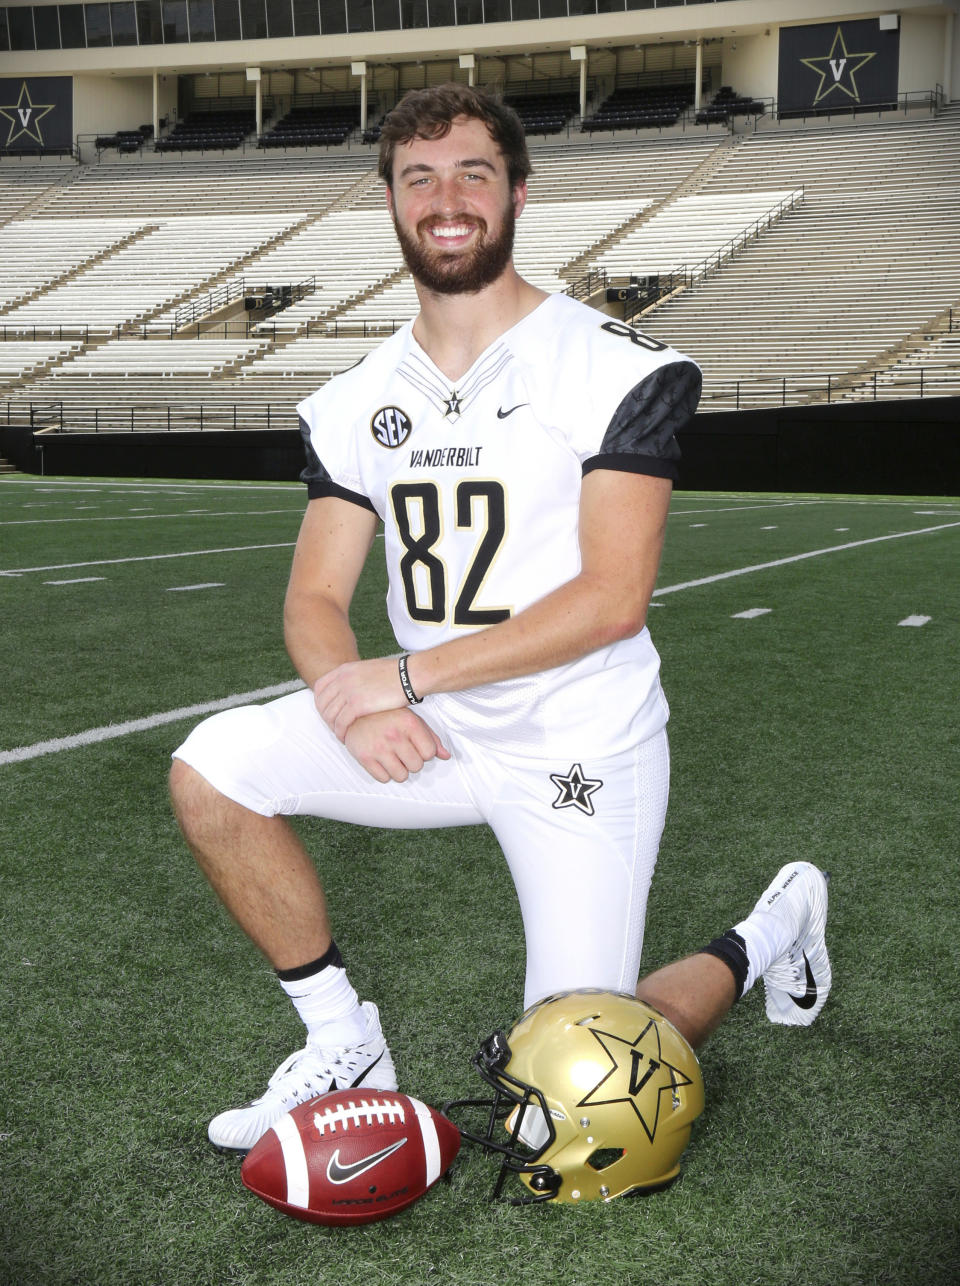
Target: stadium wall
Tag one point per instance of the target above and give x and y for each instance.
(100, 102)
(859, 448)
(924, 51)
(740, 23)
(866, 448)
(928, 57)
(739, 42)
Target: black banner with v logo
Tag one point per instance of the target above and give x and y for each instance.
(838, 67)
(36, 113)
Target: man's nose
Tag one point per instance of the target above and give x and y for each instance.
(446, 196)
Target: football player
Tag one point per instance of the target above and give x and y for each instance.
(518, 449)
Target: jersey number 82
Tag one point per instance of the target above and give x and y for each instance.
(418, 505)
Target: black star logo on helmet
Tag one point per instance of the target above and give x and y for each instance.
(639, 1075)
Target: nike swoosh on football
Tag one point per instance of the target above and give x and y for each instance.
(809, 997)
(502, 414)
(338, 1173)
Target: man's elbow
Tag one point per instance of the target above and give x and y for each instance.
(299, 619)
(626, 621)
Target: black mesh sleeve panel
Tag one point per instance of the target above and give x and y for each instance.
(319, 483)
(641, 437)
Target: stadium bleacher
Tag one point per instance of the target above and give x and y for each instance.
(208, 131)
(546, 113)
(316, 126)
(640, 107)
(826, 261)
(727, 103)
(860, 268)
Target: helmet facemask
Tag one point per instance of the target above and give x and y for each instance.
(513, 1105)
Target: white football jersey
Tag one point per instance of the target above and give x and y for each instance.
(478, 481)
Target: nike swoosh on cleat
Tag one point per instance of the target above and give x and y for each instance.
(502, 414)
(809, 997)
(338, 1173)
(365, 1073)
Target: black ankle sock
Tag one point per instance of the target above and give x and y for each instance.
(732, 950)
(331, 956)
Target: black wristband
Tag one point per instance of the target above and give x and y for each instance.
(405, 683)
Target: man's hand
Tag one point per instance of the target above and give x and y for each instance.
(392, 744)
(357, 688)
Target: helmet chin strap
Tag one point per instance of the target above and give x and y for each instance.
(544, 1183)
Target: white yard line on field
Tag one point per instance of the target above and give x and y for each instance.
(112, 730)
(75, 580)
(721, 509)
(797, 558)
(173, 716)
(147, 558)
(193, 513)
(141, 485)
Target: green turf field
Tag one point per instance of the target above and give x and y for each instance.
(814, 713)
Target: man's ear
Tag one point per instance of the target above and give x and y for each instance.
(519, 198)
(388, 192)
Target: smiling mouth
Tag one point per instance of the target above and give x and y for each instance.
(450, 232)
(459, 231)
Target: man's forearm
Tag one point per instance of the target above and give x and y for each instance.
(575, 619)
(318, 637)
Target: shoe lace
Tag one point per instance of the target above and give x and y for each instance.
(788, 971)
(309, 1071)
(306, 1073)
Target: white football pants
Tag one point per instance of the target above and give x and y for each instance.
(581, 840)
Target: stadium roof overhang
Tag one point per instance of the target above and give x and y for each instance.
(707, 21)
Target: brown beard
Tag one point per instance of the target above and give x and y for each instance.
(446, 273)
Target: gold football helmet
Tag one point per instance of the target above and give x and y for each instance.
(597, 1092)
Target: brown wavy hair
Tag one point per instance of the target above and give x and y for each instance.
(429, 113)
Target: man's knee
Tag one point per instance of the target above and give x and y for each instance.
(192, 796)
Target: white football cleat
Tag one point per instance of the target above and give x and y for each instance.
(305, 1074)
(798, 982)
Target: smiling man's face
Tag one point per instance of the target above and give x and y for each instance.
(453, 208)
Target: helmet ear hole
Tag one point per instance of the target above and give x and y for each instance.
(604, 1157)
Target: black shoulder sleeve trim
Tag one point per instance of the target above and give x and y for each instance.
(319, 483)
(320, 487)
(653, 412)
(313, 469)
(651, 465)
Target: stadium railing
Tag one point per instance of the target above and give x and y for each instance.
(756, 392)
(753, 393)
(261, 296)
(932, 100)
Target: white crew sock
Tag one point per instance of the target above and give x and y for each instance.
(328, 1005)
(765, 937)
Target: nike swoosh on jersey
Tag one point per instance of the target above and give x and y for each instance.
(338, 1173)
(502, 414)
(809, 997)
